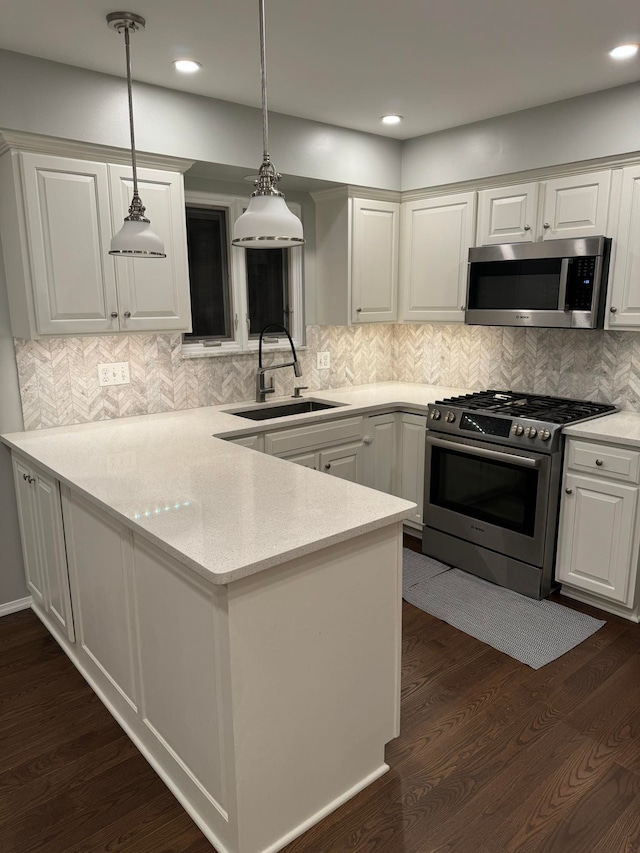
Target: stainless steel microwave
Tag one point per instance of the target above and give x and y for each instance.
(554, 284)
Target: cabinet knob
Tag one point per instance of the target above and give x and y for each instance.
(127, 315)
(569, 491)
(613, 309)
(25, 476)
(114, 315)
(527, 228)
(368, 439)
(599, 463)
(358, 310)
(546, 226)
(462, 307)
(327, 466)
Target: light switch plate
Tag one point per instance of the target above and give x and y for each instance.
(323, 360)
(116, 373)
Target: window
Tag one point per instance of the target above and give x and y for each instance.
(235, 293)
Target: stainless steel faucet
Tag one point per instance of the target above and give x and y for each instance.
(261, 389)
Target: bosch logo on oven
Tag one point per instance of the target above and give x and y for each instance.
(479, 529)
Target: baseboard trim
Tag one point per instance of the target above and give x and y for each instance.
(14, 606)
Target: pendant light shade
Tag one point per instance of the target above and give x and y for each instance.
(267, 223)
(135, 239)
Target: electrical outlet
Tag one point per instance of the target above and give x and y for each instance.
(323, 360)
(116, 373)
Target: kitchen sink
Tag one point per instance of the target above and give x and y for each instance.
(265, 412)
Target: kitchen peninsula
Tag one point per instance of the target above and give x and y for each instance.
(239, 615)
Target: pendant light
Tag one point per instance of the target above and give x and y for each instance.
(267, 222)
(135, 239)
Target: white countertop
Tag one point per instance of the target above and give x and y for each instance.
(619, 428)
(225, 511)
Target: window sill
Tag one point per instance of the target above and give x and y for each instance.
(199, 351)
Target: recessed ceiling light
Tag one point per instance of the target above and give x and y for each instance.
(624, 51)
(187, 66)
(391, 119)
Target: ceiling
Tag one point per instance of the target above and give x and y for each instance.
(347, 62)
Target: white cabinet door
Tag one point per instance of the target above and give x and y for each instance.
(411, 452)
(507, 215)
(374, 270)
(624, 282)
(53, 555)
(307, 460)
(100, 557)
(68, 225)
(153, 293)
(577, 206)
(380, 453)
(345, 461)
(28, 521)
(596, 537)
(437, 234)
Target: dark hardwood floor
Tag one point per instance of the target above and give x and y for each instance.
(493, 757)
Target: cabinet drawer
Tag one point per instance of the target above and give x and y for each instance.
(612, 462)
(315, 435)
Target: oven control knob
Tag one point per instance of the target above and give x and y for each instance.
(450, 417)
(532, 432)
(518, 429)
(435, 414)
(545, 434)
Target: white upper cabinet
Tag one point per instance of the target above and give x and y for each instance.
(57, 216)
(623, 302)
(577, 206)
(574, 206)
(357, 244)
(437, 234)
(68, 231)
(374, 272)
(507, 215)
(151, 292)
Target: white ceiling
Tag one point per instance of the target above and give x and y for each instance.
(347, 62)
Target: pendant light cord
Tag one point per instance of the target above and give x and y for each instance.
(263, 79)
(134, 164)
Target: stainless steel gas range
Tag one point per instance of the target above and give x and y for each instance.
(492, 484)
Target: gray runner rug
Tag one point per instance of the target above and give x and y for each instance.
(533, 632)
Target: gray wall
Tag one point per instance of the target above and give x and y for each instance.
(38, 96)
(12, 584)
(584, 128)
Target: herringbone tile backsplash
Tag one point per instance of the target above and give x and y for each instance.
(59, 376)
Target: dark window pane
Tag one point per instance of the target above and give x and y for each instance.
(267, 288)
(208, 273)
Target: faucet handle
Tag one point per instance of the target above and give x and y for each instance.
(298, 389)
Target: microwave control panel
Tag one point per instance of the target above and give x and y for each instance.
(580, 279)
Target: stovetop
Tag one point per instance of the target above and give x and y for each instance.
(517, 419)
(539, 407)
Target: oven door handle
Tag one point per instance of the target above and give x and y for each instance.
(523, 461)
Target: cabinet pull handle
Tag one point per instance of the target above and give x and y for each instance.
(613, 309)
(327, 466)
(546, 226)
(569, 491)
(25, 476)
(114, 315)
(127, 315)
(527, 228)
(599, 463)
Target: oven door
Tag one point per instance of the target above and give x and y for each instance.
(492, 496)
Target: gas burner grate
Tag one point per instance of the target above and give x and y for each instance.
(555, 410)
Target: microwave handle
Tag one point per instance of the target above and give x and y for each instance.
(562, 290)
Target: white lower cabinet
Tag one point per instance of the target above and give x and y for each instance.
(598, 545)
(380, 446)
(336, 447)
(43, 543)
(411, 450)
